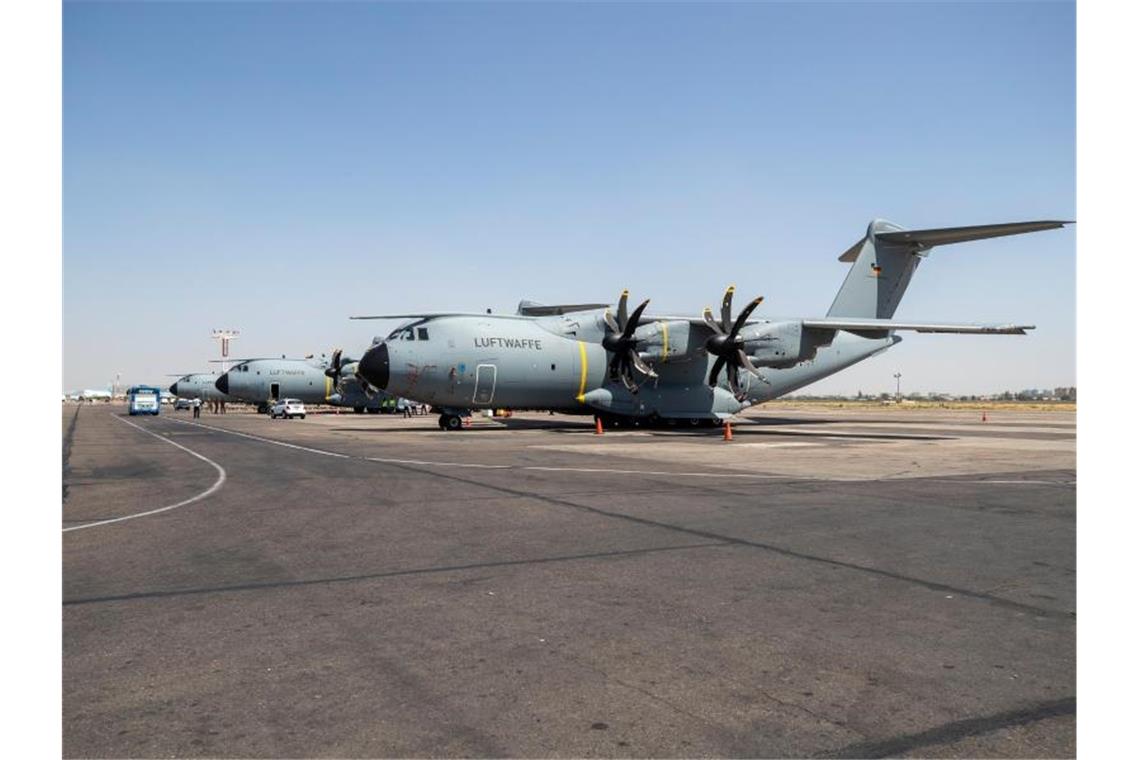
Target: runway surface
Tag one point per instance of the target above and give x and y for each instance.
(829, 583)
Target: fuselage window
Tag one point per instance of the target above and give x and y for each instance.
(422, 333)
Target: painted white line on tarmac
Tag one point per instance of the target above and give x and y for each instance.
(217, 483)
(322, 452)
(661, 472)
(607, 470)
(477, 466)
(427, 463)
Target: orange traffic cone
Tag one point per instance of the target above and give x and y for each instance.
(598, 426)
(727, 431)
(983, 416)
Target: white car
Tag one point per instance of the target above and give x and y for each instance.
(287, 408)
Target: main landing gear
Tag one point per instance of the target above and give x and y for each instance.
(449, 421)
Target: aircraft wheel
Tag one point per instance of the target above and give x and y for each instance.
(442, 417)
(452, 422)
(358, 409)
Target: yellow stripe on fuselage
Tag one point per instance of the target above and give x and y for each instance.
(328, 386)
(585, 367)
(664, 342)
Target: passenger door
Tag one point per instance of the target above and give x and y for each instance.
(484, 383)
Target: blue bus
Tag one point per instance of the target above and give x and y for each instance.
(143, 399)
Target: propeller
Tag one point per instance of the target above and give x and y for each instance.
(337, 366)
(727, 345)
(620, 342)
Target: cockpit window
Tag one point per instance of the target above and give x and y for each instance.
(408, 331)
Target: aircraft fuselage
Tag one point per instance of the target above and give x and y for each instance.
(558, 363)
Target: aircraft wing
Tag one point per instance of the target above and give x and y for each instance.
(424, 315)
(532, 309)
(860, 324)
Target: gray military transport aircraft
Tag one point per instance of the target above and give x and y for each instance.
(201, 385)
(263, 381)
(632, 368)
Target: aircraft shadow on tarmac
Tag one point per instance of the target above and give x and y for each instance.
(751, 430)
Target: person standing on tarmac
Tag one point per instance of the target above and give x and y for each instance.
(197, 406)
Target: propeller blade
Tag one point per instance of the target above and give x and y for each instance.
(622, 313)
(734, 380)
(748, 365)
(615, 365)
(740, 320)
(333, 370)
(712, 323)
(718, 365)
(627, 381)
(726, 308)
(633, 321)
(640, 364)
(610, 323)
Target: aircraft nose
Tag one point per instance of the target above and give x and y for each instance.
(174, 388)
(373, 366)
(223, 383)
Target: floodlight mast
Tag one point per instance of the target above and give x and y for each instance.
(225, 336)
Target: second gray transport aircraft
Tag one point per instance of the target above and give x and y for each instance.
(263, 381)
(636, 367)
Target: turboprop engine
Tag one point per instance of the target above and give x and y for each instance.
(781, 344)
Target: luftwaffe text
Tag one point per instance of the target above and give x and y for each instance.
(508, 343)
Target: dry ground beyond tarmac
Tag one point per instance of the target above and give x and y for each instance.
(830, 583)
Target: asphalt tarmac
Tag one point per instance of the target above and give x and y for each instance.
(829, 583)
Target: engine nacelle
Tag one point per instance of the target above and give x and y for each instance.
(671, 341)
(781, 344)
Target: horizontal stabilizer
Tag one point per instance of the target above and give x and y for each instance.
(879, 325)
(921, 240)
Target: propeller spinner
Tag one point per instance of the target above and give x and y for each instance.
(621, 342)
(727, 345)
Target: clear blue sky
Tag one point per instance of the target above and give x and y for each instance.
(277, 167)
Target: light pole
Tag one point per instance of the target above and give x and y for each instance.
(898, 386)
(225, 336)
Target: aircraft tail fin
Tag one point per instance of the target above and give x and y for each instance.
(883, 262)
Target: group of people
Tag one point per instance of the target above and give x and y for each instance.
(412, 409)
(217, 407)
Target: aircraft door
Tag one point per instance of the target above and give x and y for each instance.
(275, 391)
(484, 383)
